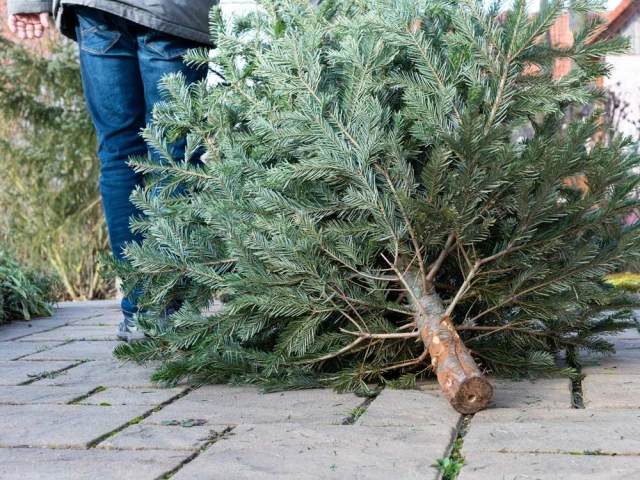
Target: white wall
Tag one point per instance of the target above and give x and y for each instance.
(625, 82)
(237, 6)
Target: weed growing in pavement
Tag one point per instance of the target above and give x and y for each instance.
(357, 412)
(449, 468)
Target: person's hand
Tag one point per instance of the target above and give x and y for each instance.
(28, 25)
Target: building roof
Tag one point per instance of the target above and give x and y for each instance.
(618, 18)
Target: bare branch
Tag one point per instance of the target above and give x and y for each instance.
(334, 354)
(463, 289)
(441, 258)
(382, 335)
(405, 217)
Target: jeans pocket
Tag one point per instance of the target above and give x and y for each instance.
(168, 46)
(96, 34)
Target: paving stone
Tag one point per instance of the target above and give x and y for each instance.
(410, 408)
(624, 345)
(101, 320)
(540, 393)
(629, 334)
(28, 394)
(77, 314)
(554, 431)
(18, 330)
(86, 305)
(43, 464)
(19, 371)
(133, 396)
(160, 437)
(40, 322)
(78, 351)
(289, 435)
(611, 391)
(626, 360)
(427, 385)
(61, 426)
(71, 332)
(14, 350)
(294, 452)
(106, 374)
(220, 404)
(538, 466)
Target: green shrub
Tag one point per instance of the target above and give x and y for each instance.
(51, 211)
(25, 293)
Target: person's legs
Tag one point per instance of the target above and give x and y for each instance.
(122, 64)
(160, 54)
(115, 98)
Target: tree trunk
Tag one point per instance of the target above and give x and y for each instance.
(460, 378)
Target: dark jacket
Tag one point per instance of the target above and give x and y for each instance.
(183, 18)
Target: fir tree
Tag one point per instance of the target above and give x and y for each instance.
(366, 209)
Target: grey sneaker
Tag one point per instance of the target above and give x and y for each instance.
(128, 332)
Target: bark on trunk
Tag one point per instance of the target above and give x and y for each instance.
(460, 378)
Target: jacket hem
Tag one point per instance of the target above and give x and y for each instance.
(133, 14)
(29, 6)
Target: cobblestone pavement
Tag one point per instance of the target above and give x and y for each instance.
(69, 410)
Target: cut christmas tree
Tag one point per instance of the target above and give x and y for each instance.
(372, 209)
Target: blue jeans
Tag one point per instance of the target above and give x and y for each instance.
(122, 63)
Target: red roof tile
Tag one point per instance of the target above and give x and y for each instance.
(619, 17)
